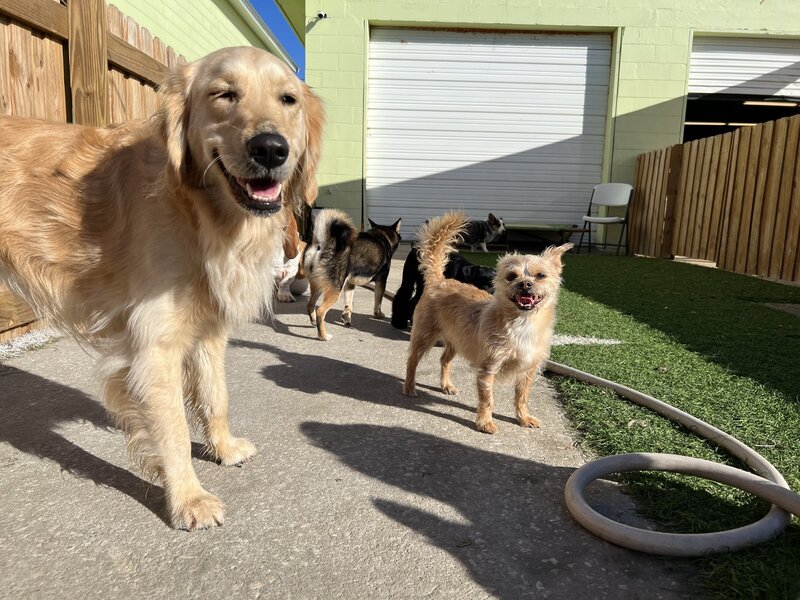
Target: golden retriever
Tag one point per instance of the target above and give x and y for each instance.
(150, 240)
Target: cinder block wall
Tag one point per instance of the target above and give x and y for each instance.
(653, 46)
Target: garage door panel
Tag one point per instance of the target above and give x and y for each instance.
(512, 123)
(745, 66)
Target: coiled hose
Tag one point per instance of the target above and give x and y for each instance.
(770, 486)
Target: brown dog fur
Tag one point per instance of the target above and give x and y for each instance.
(137, 241)
(498, 335)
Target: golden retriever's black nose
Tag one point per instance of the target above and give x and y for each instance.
(270, 150)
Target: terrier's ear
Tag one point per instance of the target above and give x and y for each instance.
(555, 253)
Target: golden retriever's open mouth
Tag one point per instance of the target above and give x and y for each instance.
(260, 195)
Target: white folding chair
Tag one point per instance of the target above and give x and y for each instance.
(607, 194)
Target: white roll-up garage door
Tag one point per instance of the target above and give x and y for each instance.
(511, 123)
(745, 66)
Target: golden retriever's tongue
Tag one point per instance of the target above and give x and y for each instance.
(265, 190)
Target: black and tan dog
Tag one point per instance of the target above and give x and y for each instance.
(340, 258)
(480, 233)
(413, 283)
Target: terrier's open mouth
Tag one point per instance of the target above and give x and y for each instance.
(526, 301)
(260, 195)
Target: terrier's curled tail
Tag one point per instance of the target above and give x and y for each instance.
(438, 239)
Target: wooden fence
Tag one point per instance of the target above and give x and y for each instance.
(733, 199)
(81, 63)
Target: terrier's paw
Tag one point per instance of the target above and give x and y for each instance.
(379, 315)
(529, 422)
(325, 338)
(233, 451)
(284, 296)
(197, 511)
(409, 390)
(450, 389)
(486, 426)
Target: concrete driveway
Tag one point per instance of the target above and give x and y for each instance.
(357, 491)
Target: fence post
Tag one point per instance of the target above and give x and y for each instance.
(88, 62)
(673, 188)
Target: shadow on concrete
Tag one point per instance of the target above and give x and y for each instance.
(355, 382)
(504, 521)
(34, 408)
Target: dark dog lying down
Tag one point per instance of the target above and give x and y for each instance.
(412, 285)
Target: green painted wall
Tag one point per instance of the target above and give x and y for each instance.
(192, 27)
(653, 43)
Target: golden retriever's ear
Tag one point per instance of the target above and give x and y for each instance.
(174, 111)
(306, 180)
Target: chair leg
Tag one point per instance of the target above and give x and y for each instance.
(580, 243)
(590, 239)
(619, 243)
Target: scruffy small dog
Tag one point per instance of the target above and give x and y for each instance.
(505, 335)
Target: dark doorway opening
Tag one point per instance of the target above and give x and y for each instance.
(713, 114)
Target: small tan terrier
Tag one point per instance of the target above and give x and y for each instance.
(502, 335)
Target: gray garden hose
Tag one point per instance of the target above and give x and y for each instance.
(771, 486)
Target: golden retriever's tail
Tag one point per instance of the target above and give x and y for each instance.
(437, 240)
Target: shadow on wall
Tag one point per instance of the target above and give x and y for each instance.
(555, 194)
(540, 184)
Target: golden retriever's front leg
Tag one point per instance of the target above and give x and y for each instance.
(155, 380)
(208, 397)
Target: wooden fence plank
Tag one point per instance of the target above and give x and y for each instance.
(686, 199)
(718, 198)
(792, 246)
(708, 200)
(88, 62)
(670, 200)
(634, 233)
(655, 201)
(756, 176)
(702, 194)
(784, 198)
(679, 199)
(730, 187)
(770, 203)
(641, 219)
(697, 183)
(740, 182)
(762, 170)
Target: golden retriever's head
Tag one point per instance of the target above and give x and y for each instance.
(239, 123)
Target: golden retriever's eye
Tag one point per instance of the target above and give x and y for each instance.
(288, 99)
(511, 277)
(228, 95)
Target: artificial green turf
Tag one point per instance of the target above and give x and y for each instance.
(702, 340)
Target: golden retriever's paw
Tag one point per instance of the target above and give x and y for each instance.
(530, 422)
(325, 338)
(486, 426)
(200, 511)
(234, 451)
(450, 389)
